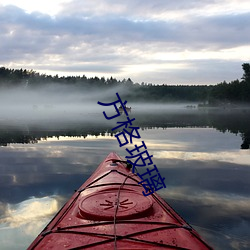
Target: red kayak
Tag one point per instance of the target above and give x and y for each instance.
(110, 211)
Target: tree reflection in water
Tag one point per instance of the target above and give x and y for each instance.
(233, 121)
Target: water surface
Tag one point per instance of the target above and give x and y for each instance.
(199, 152)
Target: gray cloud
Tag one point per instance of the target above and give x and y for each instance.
(108, 39)
(132, 8)
(219, 29)
(83, 68)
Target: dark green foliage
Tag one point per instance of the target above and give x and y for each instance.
(233, 92)
(246, 69)
(222, 93)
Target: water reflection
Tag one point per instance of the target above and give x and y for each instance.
(206, 173)
(236, 157)
(20, 222)
(25, 131)
(29, 210)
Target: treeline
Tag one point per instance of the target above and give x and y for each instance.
(232, 121)
(237, 91)
(234, 92)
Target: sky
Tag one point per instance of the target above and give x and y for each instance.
(152, 41)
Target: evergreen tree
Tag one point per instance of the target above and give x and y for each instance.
(246, 69)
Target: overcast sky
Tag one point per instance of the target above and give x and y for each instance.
(154, 41)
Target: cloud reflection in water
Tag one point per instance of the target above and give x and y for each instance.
(234, 156)
(25, 220)
(207, 180)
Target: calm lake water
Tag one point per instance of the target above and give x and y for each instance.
(203, 154)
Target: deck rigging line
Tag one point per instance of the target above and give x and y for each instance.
(117, 207)
(115, 237)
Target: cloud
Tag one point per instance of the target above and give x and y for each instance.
(26, 220)
(148, 10)
(125, 39)
(115, 30)
(229, 157)
(229, 204)
(29, 210)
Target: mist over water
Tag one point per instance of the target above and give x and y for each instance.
(56, 103)
(196, 150)
(59, 107)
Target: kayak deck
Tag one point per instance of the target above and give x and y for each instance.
(109, 211)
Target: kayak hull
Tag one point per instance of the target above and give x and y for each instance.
(110, 211)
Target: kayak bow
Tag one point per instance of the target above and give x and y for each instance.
(109, 211)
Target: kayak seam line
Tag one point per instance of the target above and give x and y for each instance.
(44, 233)
(53, 226)
(173, 212)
